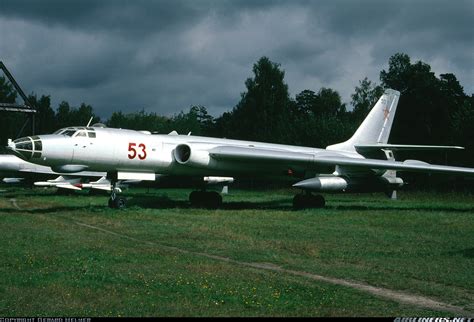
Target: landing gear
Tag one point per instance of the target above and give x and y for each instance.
(205, 199)
(118, 202)
(308, 200)
(115, 201)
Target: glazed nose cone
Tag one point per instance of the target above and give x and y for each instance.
(26, 147)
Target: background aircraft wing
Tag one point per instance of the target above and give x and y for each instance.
(333, 158)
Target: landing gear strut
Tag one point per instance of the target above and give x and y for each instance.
(205, 199)
(115, 201)
(308, 200)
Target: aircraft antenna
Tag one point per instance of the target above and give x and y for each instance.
(89, 123)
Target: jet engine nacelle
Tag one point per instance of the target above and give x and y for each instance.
(341, 184)
(183, 154)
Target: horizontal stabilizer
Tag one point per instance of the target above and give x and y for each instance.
(401, 147)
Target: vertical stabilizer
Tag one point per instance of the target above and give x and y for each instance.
(375, 129)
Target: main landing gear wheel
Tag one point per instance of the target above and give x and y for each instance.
(302, 201)
(205, 199)
(117, 203)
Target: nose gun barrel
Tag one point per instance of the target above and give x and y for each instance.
(10, 145)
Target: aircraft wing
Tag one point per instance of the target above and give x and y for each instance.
(333, 158)
(404, 147)
(47, 170)
(242, 154)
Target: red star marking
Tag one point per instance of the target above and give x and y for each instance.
(386, 112)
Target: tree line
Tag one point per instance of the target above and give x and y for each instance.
(432, 110)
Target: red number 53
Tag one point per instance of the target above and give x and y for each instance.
(133, 151)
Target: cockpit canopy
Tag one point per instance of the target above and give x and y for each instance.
(77, 132)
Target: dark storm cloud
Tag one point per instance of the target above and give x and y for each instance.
(138, 17)
(126, 17)
(164, 56)
(424, 28)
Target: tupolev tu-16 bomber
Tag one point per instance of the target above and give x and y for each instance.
(363, 163)
(236, 158)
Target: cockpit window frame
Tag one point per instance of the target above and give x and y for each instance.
(69, 132)
(90, 132)
(81, 134)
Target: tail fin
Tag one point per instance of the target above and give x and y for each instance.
(375, 129)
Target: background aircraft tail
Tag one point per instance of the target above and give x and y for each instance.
(375, 129)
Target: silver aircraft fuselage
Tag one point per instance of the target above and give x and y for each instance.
(108, 149)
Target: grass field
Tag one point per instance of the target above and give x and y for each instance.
(71, 255)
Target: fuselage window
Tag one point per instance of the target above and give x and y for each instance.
(91, 134)
(81, 134)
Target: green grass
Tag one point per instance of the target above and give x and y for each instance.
(422, 244)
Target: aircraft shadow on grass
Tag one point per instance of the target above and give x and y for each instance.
(49, 210)
(282, 204)
(400, 209)
(164, 202)
(468, 253)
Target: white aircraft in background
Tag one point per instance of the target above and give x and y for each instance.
(16, 170)
(365, 162)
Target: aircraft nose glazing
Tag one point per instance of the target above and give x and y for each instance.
(29, 147)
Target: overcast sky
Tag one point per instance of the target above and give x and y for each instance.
(163, 56)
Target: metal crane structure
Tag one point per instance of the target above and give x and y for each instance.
(26, 107)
